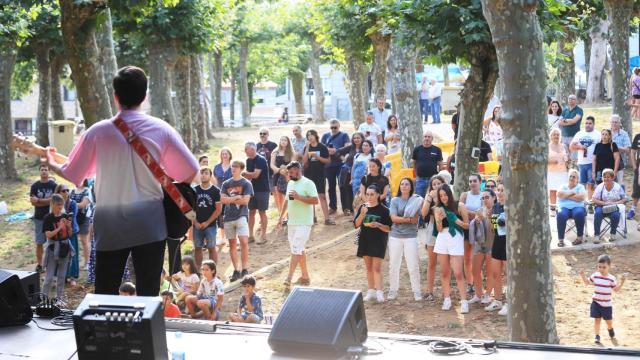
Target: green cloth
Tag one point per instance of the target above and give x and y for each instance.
(165, 286)
(301, 213)
(451, 219)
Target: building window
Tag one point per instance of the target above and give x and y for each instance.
(69, 94)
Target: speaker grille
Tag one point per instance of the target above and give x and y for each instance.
(315, 307)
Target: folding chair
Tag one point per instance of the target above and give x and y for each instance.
(572, 228)
(605, 228)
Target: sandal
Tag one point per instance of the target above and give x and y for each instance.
(287, 282)
(576, 242)
(429, 297)
(560, 243)
(304, 282)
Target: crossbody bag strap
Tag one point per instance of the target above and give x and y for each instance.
(165, 181)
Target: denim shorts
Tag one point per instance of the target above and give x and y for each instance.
(208, 234)
(40, 238)
(585, 173)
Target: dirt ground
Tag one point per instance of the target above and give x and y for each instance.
(338, 267)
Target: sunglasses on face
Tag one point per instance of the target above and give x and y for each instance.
(486, 197)
(263, 134)
(334, 128)
(490, 186)
(64, 190)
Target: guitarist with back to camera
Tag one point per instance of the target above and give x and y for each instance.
(129, 218)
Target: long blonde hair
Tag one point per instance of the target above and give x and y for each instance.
(287, 151)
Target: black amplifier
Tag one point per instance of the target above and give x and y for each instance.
(120, 327)
(30, 284)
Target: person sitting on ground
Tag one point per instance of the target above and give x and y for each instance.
(186, 281)
(604, 285)
(209, 296)
(164, 283)
(375, 224)
(57, 229)
(571, 199)
(606, 155)
(171, 310)
(127, 289)
(250, 307)
(606, 197)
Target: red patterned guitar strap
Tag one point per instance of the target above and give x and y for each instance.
(154, 167)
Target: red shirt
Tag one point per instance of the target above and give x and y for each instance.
(172, 311)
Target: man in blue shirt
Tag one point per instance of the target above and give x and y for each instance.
(334, 140)
(570, 121)
(258, 172)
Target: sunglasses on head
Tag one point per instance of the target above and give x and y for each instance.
(261, 134)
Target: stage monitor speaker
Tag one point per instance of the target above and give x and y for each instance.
(14, 307)
(30, 284)
(319, 320)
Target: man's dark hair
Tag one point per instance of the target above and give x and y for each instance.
(248, 280)
(202, 157)
(130, 86)
(167, 293)
(43, 166)
(593, 120)
(128, 288)
(294, 164)
(604, 259)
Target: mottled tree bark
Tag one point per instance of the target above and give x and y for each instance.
(7, 157)
(476, 94)
(44, 93)
(619, 13)
(160, 74)
(57, 105)
(244, 83)
(566, 68)
(314, 65)
(380, 52)
(402, 68)
(108, 60)
(215, 85)
(598, 34)
(78, 22)
(199, 114)
(183, 95)
(297, 87)
(355, 87)
(514, 26)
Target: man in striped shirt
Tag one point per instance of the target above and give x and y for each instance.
(604, 285)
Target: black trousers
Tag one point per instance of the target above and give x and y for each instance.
(175, 255)
(147, 261)
(332, 173)
(346, 196)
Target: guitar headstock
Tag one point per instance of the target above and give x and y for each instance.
(23, 144)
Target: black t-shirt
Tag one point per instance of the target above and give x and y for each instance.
(604, 156)
(42, 191)
(427, 160)
(378, 213)
(380, 181)
(261, 183)
(206, 202)
(50, 222)
(316, 168)
(635, 145)
(265, 150)
(485, 150)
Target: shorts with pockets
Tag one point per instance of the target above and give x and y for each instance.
(599, 311)
(586, 173)
(40, 238)
(449, 245)
(236, 228)
(208, 235)
(259, 201)
(298, 236)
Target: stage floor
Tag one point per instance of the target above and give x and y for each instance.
(250, 342)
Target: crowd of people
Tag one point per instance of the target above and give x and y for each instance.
(464, 233)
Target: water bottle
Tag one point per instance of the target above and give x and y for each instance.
(178, 348)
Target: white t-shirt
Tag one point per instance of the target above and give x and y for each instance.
(553, 121)
(373, 130)
(214, 287)
(603, 288)
(589, 139)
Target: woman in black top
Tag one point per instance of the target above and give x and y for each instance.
(315, 157)
(605, 156)
(375, 177)
(374, 222)
(349, 153)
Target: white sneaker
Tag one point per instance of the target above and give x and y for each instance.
(446, 304)
(392, 295)
(486, 299)
(371, 294)
(474, 299)
(464, 307)
(417, 296)
(495, 305)
(380, 296)
(504, 311)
